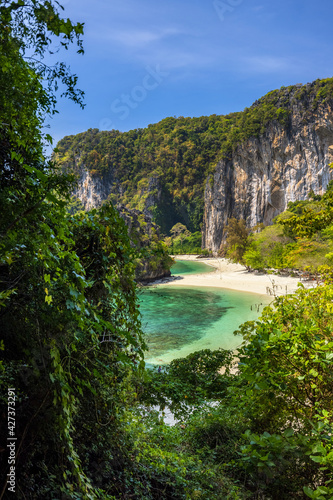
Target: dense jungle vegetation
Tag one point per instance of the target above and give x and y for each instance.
(72, 348)
(164, 167)
(152, 259)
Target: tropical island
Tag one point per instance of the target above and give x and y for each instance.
(80, 412)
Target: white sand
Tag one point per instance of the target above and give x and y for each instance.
(236, 277)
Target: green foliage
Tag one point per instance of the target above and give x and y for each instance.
(312, 217)
(172, 469)
(289, 351)
(286, 363)
(182, 241)
(70, 329)
(300, 238)
(37, 28)
(74, 205)
(189, 245)
(151, 257)
(179, 231)
(236, 240)
(268, 249)
(168, 163)
(309, 255)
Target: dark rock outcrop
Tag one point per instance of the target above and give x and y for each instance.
(144, 234)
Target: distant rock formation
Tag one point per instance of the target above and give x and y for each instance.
(263, 174)
(92, 189)
(202, 171)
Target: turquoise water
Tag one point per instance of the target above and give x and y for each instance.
(180, 320)
(191, 267)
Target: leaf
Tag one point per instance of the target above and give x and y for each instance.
(317, 459)
(308, 491)
(319, 448)
(48, 299)
(49, 138)
(53, 199)
(288, 432)
(32, 170)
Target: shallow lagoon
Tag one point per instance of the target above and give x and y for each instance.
(179, 320)
(190, 267)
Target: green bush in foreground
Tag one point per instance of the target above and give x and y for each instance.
(286, 363)
(270, 430)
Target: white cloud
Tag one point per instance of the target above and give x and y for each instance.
(136, 38)
(177, 58)
(267, 64)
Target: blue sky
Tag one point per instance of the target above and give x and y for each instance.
(148, 59)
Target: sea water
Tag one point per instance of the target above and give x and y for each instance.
(190, 267)
(179, 320)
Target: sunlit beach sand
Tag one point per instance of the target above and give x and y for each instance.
(236, 277)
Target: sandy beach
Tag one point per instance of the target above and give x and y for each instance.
(236, 277)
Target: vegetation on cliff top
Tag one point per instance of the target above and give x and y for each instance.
(166, 164)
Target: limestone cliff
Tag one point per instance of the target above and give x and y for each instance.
(92, 189)
(264, 173)
(201, 171)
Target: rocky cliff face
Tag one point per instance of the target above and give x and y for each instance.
(91, 189)
(263, 174)
(258, 160)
